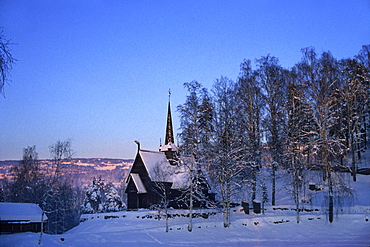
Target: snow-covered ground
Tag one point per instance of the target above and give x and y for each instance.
(275, 228)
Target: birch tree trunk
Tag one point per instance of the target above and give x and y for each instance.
(190, 225)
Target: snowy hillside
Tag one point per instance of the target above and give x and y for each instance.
(277, 227)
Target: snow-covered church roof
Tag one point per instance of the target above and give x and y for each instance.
(160, 169)
(20, 212)
(138, 183)
(169, 147)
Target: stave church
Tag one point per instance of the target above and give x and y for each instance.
(160, 175)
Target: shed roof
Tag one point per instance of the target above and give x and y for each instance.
(20, 212)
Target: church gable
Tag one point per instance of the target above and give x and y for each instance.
(137, 170)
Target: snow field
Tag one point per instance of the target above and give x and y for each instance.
(351, 227)
(274, 228)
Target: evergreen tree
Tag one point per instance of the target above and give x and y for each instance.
(93, 202)
(28, 184)
(113, 201)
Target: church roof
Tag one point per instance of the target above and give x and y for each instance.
(169, 147)
(138, 183)
(153, 161)
(160, 170)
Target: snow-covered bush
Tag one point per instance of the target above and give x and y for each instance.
(93, 202)
(113, 201)
(101, 198)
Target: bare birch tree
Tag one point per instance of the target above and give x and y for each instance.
(6, 62)
(322, 78)
(301, 130)
(195, 138)
(273, 88)
(59, 200)
(161, 187)
(229, 161)
(354, 104)
(250, 108)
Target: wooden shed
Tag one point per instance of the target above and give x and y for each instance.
(21, 217)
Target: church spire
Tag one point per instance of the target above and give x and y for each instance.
(169, 128)
(169, 147)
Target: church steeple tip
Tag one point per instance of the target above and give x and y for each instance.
(169, 146)
(169, 127)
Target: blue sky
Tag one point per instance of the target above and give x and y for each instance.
(98, 71)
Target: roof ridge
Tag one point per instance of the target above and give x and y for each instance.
(149, 151)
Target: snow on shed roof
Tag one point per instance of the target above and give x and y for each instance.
(160, 170)
(28, 212)
(138, 183)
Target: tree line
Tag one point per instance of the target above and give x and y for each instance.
(313, 116)
(54, 190)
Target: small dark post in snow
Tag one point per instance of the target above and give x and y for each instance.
(256, 206)
(245, 206)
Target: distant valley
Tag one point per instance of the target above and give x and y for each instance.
(81, 170)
